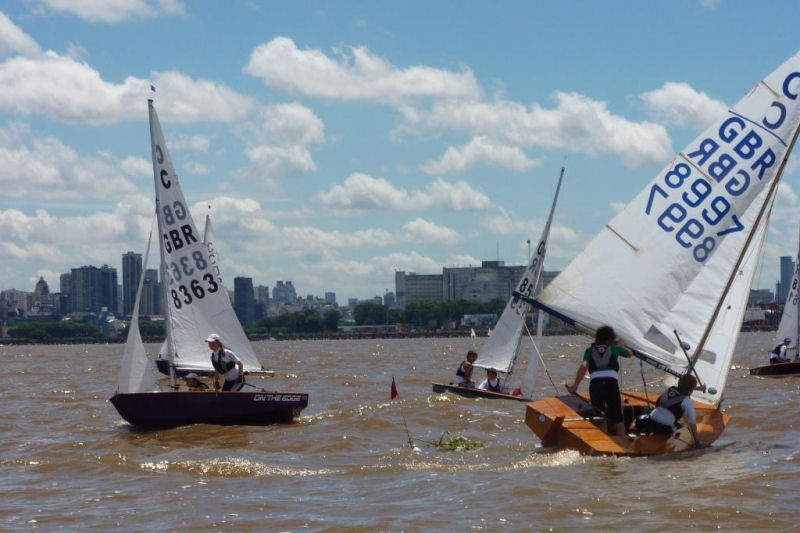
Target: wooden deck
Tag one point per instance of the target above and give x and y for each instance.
(568, 422)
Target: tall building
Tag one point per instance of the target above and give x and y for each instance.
(93, 288)
(415, 288)
(330, 297)
(787, 272)
(284, 293)
(152, 296)
(492, 280)
(262, 302)
(131, 272)
(244, 299)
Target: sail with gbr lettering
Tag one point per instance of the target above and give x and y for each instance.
(196, 305)
(680, 257)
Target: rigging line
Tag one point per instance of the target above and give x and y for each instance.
(644, 382)
(539, 353)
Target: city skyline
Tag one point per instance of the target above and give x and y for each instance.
(336, 144)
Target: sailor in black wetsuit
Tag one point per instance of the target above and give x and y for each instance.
(673, 404)
(464, 371)
(492, 382)
(226, 364)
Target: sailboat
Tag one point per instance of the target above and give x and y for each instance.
(198, 362)
(789, 328)
(503, 348)
(196, 305)
(671, 273)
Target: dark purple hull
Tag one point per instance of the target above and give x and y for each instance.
(170, 409)
(778, 370)
(476, 393)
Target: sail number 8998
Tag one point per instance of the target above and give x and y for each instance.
(183, 295)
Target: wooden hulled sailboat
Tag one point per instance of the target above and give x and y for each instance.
(678, 262)
(503, 348)
(196, 305)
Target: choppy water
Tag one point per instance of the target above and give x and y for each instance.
(69, 462)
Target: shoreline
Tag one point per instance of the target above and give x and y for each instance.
(9, 341)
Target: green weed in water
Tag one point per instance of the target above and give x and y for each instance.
(457, 444)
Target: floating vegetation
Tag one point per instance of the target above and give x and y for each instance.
(457, 444)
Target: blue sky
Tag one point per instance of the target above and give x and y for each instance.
(337, 142)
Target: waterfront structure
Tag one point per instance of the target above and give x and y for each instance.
(284, 293)
(93, 289)
(131, 272)
(787, 271)
(152, 295)
(415, 288)
(330, 297)
(244, 299)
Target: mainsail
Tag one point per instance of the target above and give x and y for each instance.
(197, 303)
(681, 255)
(501, 350)
(789, 327)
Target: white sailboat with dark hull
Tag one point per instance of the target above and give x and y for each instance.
(678, 262)
(503, 348)
(788, 328)
(196, 305)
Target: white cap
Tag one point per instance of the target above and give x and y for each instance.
(191, 375)
(213, 337)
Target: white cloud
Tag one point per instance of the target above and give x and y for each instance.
(111, 11)
(14, 41)
(47, 170)
(681, 105)
(480, 150)
(64, 89)
(359, 76)
(279, 143)
(136, 167)
(425, 231)
(363, 192)
(195, 143)
(198, 169)
(577, 124)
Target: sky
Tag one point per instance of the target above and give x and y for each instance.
(334, 143)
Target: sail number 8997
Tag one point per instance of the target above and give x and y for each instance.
(183, 295)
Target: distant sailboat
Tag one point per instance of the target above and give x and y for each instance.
(196, 305)
(679, 260)
(502, 349)
(789, 328)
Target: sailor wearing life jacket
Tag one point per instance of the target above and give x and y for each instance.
(464, 371)
(226, 364)
(601, 360)
(492, 382)
(674, 403)
(778, 354)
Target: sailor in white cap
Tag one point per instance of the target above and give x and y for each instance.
(192, 381)
(778, 354)
(226, 364)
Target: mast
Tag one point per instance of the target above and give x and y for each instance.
(767, 202)
(797, 315)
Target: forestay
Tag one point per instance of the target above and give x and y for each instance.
(196, 301)
(681, 255)
(502, 349)
(135, 374)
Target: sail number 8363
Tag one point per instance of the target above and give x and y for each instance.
(196, 289)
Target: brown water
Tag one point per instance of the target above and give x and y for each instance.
(69, 462)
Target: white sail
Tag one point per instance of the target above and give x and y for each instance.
(135, 373)
(502, 349)
(677, 256)
(789, 327)
(197, 303)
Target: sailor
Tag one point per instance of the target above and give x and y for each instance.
(674, 403)
(226, 364)
(778, 354)
(492, 382)
(601, 360)
(193, 382)
(464, 371)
